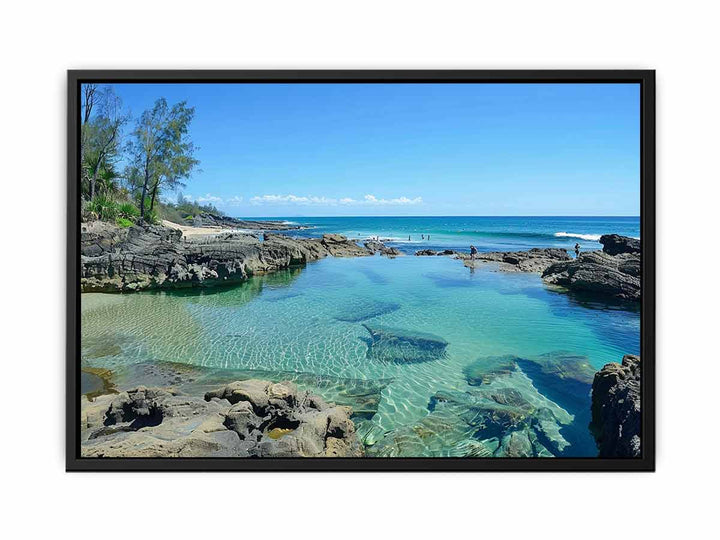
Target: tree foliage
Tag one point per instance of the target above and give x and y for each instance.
(100, 139)
(158, 157)
(160, 152)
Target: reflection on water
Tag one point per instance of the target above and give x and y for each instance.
(311, 322)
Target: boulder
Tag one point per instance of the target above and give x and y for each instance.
(616, 419)
(614, 244)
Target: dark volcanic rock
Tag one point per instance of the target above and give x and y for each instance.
(596, 272)
(614, 244)
(616, 420)
(251, 418)
(376, 246)
(534, 260)
(426, 253)
(207, 219)
(403, 346)
(152, 256)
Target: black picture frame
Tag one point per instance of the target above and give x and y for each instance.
(646, 79)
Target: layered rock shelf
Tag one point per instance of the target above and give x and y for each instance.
(613, 272)
(155, 257)
(534, 260)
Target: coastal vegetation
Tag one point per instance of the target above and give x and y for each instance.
(128, 167)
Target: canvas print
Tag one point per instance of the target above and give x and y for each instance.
(359, 270)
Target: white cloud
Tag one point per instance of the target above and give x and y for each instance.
(207, 198)
(368, 200)
(214, 199)
(233, 201)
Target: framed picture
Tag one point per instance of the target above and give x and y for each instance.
(361, 270)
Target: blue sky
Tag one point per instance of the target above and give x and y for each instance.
(410, 149)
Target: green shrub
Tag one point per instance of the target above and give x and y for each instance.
(123, 223)
(104, 208)
(128, 210)
(151, 216)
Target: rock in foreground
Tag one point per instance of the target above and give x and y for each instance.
(616, 419)
(251, 418)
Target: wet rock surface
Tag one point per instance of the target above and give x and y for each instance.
(600, 274)
(534, 260)
(616, 412)
(250, 418)
(376, 246)
(156, 257)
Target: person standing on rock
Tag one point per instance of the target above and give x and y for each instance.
(577, 250)
(473, 252)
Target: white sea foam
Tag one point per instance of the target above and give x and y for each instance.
(589, 237)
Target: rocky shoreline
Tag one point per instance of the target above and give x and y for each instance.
(156, 257)
(207, 219)
(613, 273)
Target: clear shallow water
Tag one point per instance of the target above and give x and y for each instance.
(309, 320)
(486, 233)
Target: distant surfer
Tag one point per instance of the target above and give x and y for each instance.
(408, 238)
(422, 236)
(473, 252)
(577, 250)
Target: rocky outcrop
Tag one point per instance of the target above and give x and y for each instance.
(339, 246)
(376, 246)
(433, 253)
(426, 253)
(534, 260)
(251, 418)
(614, 244)
(616, 419)
(152, 256)
(599, 273)
(207, 219)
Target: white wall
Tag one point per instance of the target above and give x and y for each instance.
(39, 41)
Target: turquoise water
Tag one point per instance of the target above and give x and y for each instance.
(486, 233)
(311, 320)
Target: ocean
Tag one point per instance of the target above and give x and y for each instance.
(486, 233)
